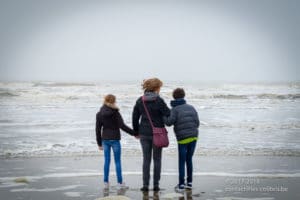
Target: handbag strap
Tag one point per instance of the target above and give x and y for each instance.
(147, 112)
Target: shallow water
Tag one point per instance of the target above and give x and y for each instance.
(236, 119)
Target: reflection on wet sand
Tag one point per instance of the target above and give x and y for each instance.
(186, 195)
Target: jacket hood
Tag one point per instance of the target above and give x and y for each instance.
(113, 106)
(108, 109)
(150, 96)
(177, 102)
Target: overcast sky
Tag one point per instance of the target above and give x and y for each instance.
(60, 40)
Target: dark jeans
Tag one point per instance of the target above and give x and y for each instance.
(147, 147)
(185, 154)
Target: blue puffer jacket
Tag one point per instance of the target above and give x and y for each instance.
(185, 119)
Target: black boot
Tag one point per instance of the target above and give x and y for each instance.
(156, 188)
(144, 189)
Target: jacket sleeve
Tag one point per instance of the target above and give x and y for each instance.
(136, 117)
(164, 108)
(98, 129)
(170, 120)
(123, 126)
(197, 118)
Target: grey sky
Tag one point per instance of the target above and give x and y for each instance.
(238, 40)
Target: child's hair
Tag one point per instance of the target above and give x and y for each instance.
(111, 99)
(152, 84)
(178, 93)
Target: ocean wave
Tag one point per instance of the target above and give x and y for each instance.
(278, 96)
(54, 124)
(64, 126)
(72, 98)
(6, 121)
(164, 173)
(55, 84)
(62, 188)
(254, 126)
(229, 96)
(43, 97)
(58, 150)
(4, 93)
(60, 91)
(248, 96)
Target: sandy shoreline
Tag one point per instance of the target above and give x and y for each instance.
(219, 177)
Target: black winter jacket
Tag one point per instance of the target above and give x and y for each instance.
(157, 108)
(108, 124)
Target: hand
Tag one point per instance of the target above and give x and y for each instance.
(100, 148)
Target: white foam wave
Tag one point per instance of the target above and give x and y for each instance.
(248, 96)
(62, 84)
(45, 123)
(256, 175)
(292, 124)
(163, 173)
(49, 119)
(245, 198)
(8, 94)
(80, 91)
(69, 187)
(73, 194)
(10, 184)
(73, 149)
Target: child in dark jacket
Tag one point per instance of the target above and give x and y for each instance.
(185, 119)
(108, 124)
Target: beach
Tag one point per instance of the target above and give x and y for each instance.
(215, 177)
(73, 74)
(248, 145)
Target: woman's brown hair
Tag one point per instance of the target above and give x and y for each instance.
(152, 84)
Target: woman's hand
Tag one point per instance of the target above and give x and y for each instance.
(137, 137)
(100, 148)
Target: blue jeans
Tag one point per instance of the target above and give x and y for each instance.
(116, 147)
(185, 154)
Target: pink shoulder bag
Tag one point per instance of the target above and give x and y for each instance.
(160, 135)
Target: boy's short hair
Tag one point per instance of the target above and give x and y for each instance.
(178, 93)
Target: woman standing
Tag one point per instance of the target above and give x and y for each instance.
(157, 108)
(108, 124)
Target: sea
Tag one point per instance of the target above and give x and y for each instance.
(40, 119)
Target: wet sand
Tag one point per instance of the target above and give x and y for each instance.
(219, 178)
